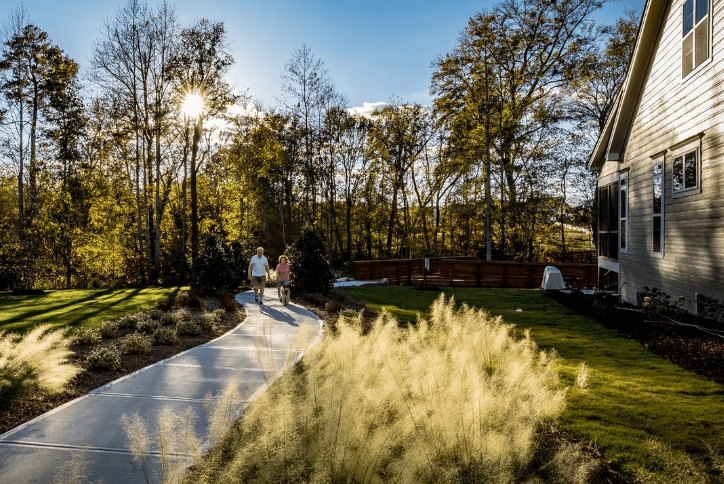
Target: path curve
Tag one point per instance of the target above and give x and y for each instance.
(88, 430)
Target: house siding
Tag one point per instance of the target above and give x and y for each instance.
(669, 111)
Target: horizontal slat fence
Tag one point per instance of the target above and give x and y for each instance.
(472, 273)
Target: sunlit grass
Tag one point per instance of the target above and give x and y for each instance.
(77, 307)
(456, 398)
(38, 359)
(637, 407)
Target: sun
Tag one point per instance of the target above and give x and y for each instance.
(193, 105)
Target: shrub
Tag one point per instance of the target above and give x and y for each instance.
(218, 265)
(187, 328)
(147, 325)
(131, 320)
(210, 321)
(310, 271)
(87, 336)
(180, 315)
(39, 359)
(104, 358)
(108, 329)
(191, 299)
(227, 300)
(166, 303)
(136, 343)
(165, 336)
(167, 319)
(154, 314)
(457, 398)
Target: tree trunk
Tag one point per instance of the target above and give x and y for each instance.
(194, 199)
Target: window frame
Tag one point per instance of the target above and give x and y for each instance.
(608, 224)
(692, 32)
(693, 146)
(623, 191)
(661, 175)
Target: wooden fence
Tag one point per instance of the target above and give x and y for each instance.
(472, 273)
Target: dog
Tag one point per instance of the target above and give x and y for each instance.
(285, 293)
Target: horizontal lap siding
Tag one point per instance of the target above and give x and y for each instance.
(670, 111)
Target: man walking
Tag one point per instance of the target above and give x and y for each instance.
(258, 271)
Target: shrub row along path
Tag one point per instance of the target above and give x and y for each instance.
(88, 431)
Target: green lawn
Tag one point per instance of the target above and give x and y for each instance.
(636, 401)
(76, 307)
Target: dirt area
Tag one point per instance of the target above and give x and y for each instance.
(35, 403)
(692, 349)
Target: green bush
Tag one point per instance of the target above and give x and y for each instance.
(87, 336)
(131, 320)
(187, 328)
(39, 359)
(165, 336)
(154, 314)
(136, 343)
(218, 265)
(207, 321)
(310, 270)
(108, 329)
(167, 319)
(104, 358)
(147, 326)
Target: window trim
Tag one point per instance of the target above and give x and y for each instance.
(681, 151)
(606, 183)
(662, 175)
(623, 178)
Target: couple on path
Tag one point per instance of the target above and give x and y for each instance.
(259, 269)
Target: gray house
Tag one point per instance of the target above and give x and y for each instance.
(660, 160)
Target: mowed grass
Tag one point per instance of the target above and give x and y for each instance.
(646, 414)
(76, 307)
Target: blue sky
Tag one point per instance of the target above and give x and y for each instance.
(373, 49)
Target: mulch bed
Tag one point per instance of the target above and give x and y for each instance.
(692, 349)
(33, 404)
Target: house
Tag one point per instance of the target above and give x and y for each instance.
(660, 160)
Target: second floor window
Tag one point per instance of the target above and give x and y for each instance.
(695, 35)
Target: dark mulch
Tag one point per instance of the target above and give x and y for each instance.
(692, 349)
(33, 404)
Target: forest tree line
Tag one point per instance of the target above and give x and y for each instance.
(111, 179)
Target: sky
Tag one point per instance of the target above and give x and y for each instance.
(373, 49)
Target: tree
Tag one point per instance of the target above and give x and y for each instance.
(199, 65)
(400, 132)
(502, 80)
(66, 118)
(310, 271)
(308, 88)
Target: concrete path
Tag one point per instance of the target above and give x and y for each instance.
(88, 431)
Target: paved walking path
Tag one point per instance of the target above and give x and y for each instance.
(88, 430)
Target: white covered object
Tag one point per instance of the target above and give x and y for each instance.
(552, 279)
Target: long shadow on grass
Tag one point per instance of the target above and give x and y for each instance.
(87, 315)
(49, 308)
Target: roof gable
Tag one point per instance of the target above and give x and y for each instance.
(610, 142)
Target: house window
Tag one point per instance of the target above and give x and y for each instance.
(658, 208)
(608, 221)
(695, 35)
(623, 213)
(685, 176)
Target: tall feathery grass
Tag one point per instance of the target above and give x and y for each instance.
(457, 398)
(38, 359)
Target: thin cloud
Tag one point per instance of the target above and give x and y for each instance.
(367, 109)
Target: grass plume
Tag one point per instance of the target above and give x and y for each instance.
(457, 398)
(38, 359)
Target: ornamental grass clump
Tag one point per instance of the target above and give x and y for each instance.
(187, 328)
(38, 359)
(109, 329)
(457, 398)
